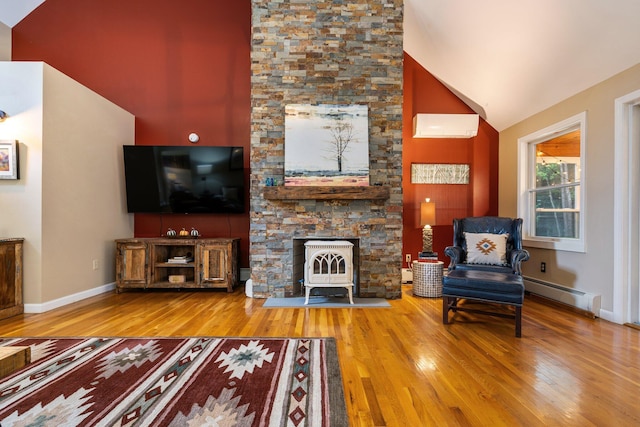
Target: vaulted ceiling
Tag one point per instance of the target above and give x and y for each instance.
(507, 59)
(12, 11)
(512, 59)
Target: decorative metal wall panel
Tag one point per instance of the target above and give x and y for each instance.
(422, 173)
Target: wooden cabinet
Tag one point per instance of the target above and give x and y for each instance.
(132, 264)
(11, 277)
(177, 263)
(219, 265)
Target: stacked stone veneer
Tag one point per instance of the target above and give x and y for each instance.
(326, 52)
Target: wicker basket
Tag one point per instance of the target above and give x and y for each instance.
(177, 278)
(427, 279)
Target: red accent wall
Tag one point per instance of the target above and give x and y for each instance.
(423, 93)
(178, 66)
(183, 67)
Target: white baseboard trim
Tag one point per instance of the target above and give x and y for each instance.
(608, 315)
(69, 299)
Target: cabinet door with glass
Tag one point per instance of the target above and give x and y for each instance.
(132, 264)
(218, 264)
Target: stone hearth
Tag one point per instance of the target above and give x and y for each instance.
(326, 53)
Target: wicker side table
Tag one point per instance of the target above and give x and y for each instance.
(427, 279)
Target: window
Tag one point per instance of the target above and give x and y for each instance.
(551, 185)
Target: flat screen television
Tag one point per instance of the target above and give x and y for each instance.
(184, 179)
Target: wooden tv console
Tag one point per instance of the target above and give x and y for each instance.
(197, 263)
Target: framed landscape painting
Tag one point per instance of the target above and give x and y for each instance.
(326, 145)
(9, 160)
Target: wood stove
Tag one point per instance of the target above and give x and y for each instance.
(328, 264)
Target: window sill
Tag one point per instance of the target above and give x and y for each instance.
(568, 245)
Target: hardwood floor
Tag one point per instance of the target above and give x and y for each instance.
(401, 366)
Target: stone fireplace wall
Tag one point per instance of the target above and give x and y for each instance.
(326, 52)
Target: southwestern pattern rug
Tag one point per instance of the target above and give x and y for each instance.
(194, 381)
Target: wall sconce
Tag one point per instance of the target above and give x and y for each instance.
(3, 116)
(427, 219)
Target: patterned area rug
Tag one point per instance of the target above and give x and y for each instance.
(175, 382)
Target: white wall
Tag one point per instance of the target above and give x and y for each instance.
(69, 204)
(5, 43)
(591, 271)
(21, 200)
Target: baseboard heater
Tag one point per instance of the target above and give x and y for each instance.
(583, 300)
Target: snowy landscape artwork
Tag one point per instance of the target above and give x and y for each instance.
(326, 145)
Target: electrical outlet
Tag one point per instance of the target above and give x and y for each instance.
(95, 264)
(407, 258)
(543, 267)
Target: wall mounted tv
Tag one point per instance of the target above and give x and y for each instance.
(184, 179)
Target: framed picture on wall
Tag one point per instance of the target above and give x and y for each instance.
(9, 165)
(439, 174)
(326, 145)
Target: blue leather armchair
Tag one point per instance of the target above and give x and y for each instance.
(515, 255)
(499, 282)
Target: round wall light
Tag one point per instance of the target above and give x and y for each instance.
(193, 138)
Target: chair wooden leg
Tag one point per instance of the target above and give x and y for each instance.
(518, 321)
(445, 310)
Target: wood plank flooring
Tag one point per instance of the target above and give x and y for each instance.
(401, 366)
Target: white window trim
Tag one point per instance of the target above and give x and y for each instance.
(524, 212)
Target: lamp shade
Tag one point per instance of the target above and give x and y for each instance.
(204, 169)
(427, 213)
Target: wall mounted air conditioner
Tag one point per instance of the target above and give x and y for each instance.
(445, 125)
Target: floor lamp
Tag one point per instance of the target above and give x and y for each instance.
(427, 219)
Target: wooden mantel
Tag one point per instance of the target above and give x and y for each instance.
(326, 193)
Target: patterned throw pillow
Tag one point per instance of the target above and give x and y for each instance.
(486, 248)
